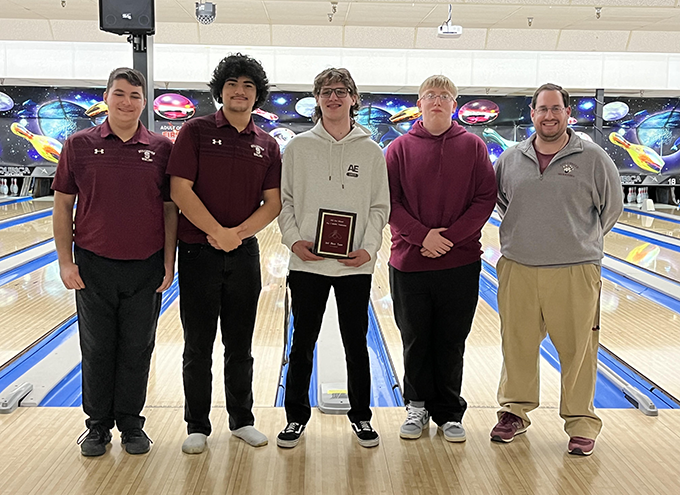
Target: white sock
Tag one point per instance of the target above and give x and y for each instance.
(251, 436)
(194, 444)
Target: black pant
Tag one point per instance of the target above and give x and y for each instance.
(309, 294)
(117, 315)
(434, 312)
(212, 284)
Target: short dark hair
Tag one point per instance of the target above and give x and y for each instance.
(132, 76)
(237, 65)
(550, 87)
(332, 76)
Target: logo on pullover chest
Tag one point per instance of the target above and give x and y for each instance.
(257, 150)
(99, 151)
(147, 155)
(567, 169)
(353, 170)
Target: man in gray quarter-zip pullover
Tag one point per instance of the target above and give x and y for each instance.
(558, 196)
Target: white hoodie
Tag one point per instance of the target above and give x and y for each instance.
(347, 175)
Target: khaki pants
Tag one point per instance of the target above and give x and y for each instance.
(565, 303)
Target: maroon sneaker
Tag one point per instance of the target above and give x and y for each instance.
(581, 446)
(507, 428)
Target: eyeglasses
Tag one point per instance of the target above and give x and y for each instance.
(339, 92)
(445, 97)
(555, 110)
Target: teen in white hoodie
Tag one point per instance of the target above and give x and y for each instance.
(334, 166)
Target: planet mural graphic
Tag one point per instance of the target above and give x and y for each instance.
(615, 110)
(478, 112)
(59, 119)
(173, 106)
(657, 130)
(6, 102)
(283, 135)
(305, 106)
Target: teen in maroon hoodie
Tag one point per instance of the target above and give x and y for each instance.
(443, 191)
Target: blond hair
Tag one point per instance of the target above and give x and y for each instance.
(439, 81)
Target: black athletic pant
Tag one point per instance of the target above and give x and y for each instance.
(117, 315)
(309, 294)
(434, 312)
(212, 284)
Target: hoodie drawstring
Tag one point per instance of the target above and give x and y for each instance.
(330, 163)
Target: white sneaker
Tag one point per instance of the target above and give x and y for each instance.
(416, 421)
(251, 436)
(453, 431)
(194, 444)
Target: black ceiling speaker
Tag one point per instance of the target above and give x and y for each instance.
(127, 16)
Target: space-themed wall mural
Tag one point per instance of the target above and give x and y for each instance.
(642, 135)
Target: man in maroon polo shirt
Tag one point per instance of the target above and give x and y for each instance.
(125, 238)
(226, 175)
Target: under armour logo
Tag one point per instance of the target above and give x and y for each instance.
(258, 150)
(147, 155)
(99, 152)
(217, 141)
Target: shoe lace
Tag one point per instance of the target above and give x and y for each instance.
(415, 416)
(291, 427)
(508, 419)
(365, 426)
(134, 433)
(95, 432)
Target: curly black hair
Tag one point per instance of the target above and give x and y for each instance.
(235, 66)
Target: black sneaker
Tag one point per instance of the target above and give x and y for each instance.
(365, 433)
(93, 441)
(290, 435)
(135, 441)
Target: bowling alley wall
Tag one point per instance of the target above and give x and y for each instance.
(642, 135)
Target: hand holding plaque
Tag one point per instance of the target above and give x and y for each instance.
(334, 233)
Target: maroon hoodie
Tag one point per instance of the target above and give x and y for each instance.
(438, 181)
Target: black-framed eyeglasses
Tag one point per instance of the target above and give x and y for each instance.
(339, 92)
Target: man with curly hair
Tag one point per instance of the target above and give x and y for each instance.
(333, 166)
(225, 177)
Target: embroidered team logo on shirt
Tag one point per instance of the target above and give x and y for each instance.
(567, 169)
(257, 150)
(147, 156)
(353, 170)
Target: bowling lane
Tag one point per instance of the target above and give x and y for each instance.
(165, 380)
(483, 357)
(23, 235)
(16, 209)
(653, 224)
(30, 307)
(656, 259)
(642, 333)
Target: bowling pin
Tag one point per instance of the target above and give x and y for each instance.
(14, 189)
(3, 187)
(638, 198)
(629, 196)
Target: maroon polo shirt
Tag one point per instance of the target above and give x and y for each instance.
(121, 188)
(229, 169)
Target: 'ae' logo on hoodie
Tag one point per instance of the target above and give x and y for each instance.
(353, 170)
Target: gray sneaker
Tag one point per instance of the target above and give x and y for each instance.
(416, 421)
(453, 431)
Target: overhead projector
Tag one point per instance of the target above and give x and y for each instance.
(447, 30)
